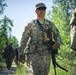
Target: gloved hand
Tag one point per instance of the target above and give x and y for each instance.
(21, 55)
(22, 58)
(55, 46)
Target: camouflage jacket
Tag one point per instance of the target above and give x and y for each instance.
(33, 30)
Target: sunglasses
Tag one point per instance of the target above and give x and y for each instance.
(41, 8)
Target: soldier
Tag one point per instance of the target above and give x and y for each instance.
(39, 30)
(73, 31)
(9, 55)
(16, 55)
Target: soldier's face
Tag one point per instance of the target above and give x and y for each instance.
(41, 12)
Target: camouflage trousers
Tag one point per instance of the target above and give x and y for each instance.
(73, 37)
(41, 63)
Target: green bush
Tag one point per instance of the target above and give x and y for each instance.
(21, 70)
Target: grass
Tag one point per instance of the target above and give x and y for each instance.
(21, 70)
(58, 71)
(2, 65)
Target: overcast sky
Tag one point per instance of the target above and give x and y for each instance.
(21, 12)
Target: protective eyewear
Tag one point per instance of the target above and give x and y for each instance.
(41, 8)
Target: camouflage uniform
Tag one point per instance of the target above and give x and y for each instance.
(73, 30)
(40, 58)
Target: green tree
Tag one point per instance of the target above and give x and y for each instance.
(5, 28)
(6, 25)
(2, 6)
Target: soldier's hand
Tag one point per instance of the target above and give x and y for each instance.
(22, 58)
(55, 46)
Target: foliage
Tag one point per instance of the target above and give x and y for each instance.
(2, 6)
(61, 14)
(6, 25)
(21, 70)
(5, 28)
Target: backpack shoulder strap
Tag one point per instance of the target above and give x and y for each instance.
(39, 24)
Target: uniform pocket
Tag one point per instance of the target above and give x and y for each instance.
(32, 48)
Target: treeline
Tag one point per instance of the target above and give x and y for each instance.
(61, 15)
(6, 25)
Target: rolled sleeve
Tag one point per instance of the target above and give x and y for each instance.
(25, 37)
